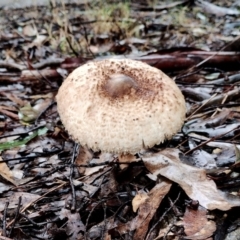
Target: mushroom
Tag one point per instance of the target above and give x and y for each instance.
(120, 106)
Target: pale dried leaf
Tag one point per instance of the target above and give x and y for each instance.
(140, 198)
(74, 224)
(39, 40)
(226, 130)
(6, 173)
(26, 197)
(83, 158)
(104, 157)
(30, 30)
(234, 235)
(4, 187)
(193, 180)
(216, 10)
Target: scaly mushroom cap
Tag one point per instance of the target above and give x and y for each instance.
(120, 106)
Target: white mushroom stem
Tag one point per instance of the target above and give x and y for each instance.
(123, 159)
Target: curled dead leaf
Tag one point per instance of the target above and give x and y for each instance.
(194, 181)
(6, 173)
(140, 198)
(196, 225)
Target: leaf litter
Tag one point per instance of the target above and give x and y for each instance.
(52, 189)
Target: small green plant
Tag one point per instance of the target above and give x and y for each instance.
(109, 17)
(152, 3)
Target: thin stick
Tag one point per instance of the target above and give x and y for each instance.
(16, 215)
(4, 231)
(73, 207)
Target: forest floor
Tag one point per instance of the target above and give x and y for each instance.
(52, 188)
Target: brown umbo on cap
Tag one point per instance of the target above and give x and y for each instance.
(120, 106)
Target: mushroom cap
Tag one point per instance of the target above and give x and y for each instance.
(120, 105)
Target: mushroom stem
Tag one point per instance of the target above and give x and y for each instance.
(126, 157)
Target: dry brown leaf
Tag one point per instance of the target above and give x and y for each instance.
(39, 40)
(140, 198)
(126, 158)
(14, 198)
(88, 188)
(146, 211)
(15, 99)
(103, 157)
(149, 207)
(30, 30)
(193, 180)
(108, 224)
(8, 111)
(107, 237)
(74, 224)
(196, 225)
(165, 232)
(6, 173)
(83, 158)
(38, 96)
